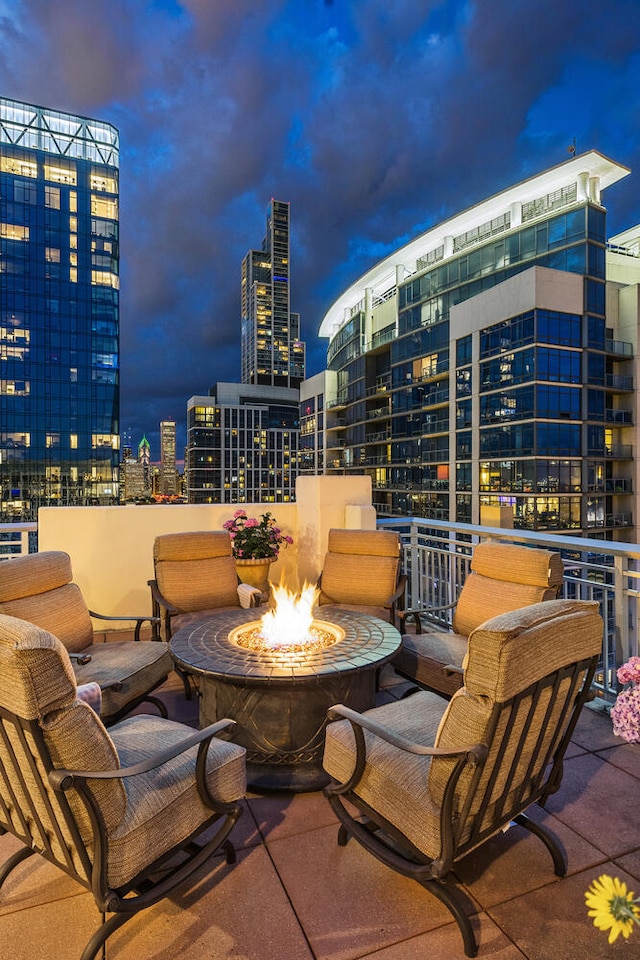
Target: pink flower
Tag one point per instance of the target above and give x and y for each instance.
(629, 672)
(625, 714)
(240, 513)
(252, 522)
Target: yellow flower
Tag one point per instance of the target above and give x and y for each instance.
(612, 906)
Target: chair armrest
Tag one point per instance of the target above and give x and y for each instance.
(417, 612)
(398, 593)
(452, 668)
(62, 779)
(157, 597)
(137, 620)
(474, 751)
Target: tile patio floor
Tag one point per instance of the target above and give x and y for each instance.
(295, 895)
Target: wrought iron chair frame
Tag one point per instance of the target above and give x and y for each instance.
(434, 875)
(93, 857)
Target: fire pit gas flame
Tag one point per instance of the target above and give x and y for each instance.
(290, 621)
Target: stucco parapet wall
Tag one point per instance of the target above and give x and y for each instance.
(111, 548)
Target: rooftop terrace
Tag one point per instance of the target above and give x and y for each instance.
(295, 895)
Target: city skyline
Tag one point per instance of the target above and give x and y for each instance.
(374, 123)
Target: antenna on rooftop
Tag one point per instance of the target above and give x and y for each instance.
(572, 148)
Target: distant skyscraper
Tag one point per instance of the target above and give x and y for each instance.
(168, 475)
(272, 352)
(59, 310)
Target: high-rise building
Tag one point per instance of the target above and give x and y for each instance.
(59, 310)
(168, 476)
(272, 353)
(487, 368)
(242, 444)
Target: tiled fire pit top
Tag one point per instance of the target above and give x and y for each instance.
(205, 648)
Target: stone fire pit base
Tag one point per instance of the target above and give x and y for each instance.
(280, 701)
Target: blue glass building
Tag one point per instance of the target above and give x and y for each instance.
(59, 310)
(477, 369)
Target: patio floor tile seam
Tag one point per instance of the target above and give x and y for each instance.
(286, 894)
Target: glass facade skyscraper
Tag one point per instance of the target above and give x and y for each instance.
(477, 366)
(272, 353)
(59, 310)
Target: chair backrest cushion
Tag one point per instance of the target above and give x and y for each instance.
(37, 683)
(38, 587)
(505, 577)
(361, 567)
(196, 571)
(507, 655)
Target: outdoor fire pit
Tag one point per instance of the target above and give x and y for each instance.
(279, 694)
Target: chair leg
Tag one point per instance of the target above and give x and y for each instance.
(448, 895)
(550, 842)
(103, 932)
(13, 862)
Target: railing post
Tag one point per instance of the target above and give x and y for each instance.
(415, 595)
(622, 608)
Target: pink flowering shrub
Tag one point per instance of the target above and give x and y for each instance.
(625, 713)
(253, 539)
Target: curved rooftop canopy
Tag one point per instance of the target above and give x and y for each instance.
(589, 167)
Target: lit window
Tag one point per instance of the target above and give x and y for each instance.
(19, 166)
(73, 441)
(73, 242)
(73, 274)
(73, 224)
(13, 231)
(105, 279)
(52, 255)
(102, 207)
(73, 201)
(61, 174)
(103, 182)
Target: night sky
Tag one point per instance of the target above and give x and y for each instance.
(375, 118)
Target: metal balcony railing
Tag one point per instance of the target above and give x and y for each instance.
(17, 538)
(437, 556)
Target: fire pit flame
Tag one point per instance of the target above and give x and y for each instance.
(289, 627)
(290, 620)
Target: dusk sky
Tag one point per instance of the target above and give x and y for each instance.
(376, 119)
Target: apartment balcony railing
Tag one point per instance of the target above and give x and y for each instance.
(17, 538)
(621, 486)
(616, 382)
(623, 417)
(621, 348)
(437, 556)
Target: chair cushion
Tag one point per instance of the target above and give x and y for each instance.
(517, 564)
(139, 667)
(505, 577)
(34, 573)
(163, 805)
(513, 650)
(191, 619)
(199, 584)
(360, 580)
(394, 782)
(422, 657)
(374, 543)
(367, 610)
(62, 611)
(36, 676)
(199, 545)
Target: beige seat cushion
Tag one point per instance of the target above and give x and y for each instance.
(423, 656)
(138, 667)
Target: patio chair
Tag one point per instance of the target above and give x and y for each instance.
(502, 577)
(433, 779)
(39, 587)
(111, 809)
(362, 572)
(195, 577)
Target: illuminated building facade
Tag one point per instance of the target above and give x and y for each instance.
(242, 444)
(168, 476)
(486, 369)
(59, 310)
(272, 353)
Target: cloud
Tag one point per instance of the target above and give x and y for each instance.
(375, 120)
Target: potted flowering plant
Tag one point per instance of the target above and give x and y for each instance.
(253, 539)
(255, 543)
